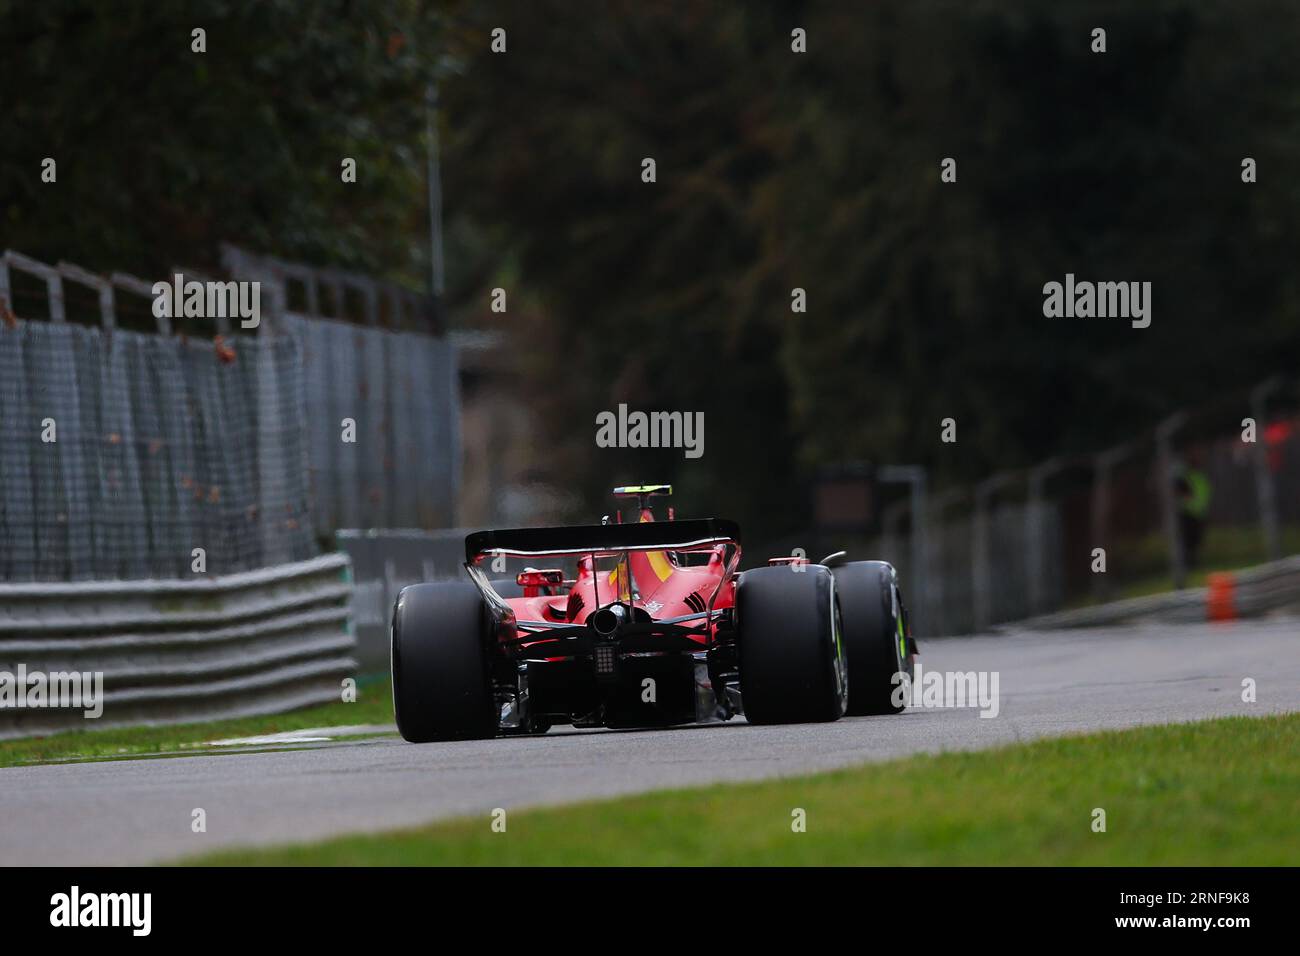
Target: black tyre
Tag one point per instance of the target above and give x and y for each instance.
(792, 660)
(875, 636)
(441, 684)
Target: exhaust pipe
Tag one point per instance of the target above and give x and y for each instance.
(608, 620)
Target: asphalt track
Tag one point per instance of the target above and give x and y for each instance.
(139, 810)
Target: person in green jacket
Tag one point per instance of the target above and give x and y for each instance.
(1193, 488)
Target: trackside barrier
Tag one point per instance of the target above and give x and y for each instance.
(255, 642)
(1263, 589)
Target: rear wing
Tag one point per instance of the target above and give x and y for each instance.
(692, 534)
(600, 540)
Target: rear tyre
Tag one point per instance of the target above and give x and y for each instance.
(792, 660)
(875, 636)
(441, 684)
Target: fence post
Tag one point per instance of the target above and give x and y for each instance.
(1036, 530)
(68, 270)
(369, 290)
(331, 281)
(271, 409)
(1165, 432)
(915, 477)
(313, 293)
(981, 559)
(305, 275)
(449, 367)
(136, 285)
(53, 281)
(938, 590)
(1265, 492)
(1103, 463)
(890, 519)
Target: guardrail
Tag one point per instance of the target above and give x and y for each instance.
(255, 642)
(1263, 589)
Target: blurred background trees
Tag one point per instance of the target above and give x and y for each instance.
(164, 152)
(775, 170)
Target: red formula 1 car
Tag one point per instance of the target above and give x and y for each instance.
(655, 627)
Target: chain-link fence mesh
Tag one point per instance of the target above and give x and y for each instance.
(121, 453)
(381, 410)
(1220, 492)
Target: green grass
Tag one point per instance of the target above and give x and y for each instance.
(1221, 792)
(373, 705)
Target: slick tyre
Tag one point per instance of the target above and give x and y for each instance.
(875, 636)
(441, 683)
(792, 661)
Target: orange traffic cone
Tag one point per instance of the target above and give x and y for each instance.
(1221, 597)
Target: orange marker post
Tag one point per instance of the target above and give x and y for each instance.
(1221, 598)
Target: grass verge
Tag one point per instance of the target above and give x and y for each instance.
(374, 705)
(1220, 792)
